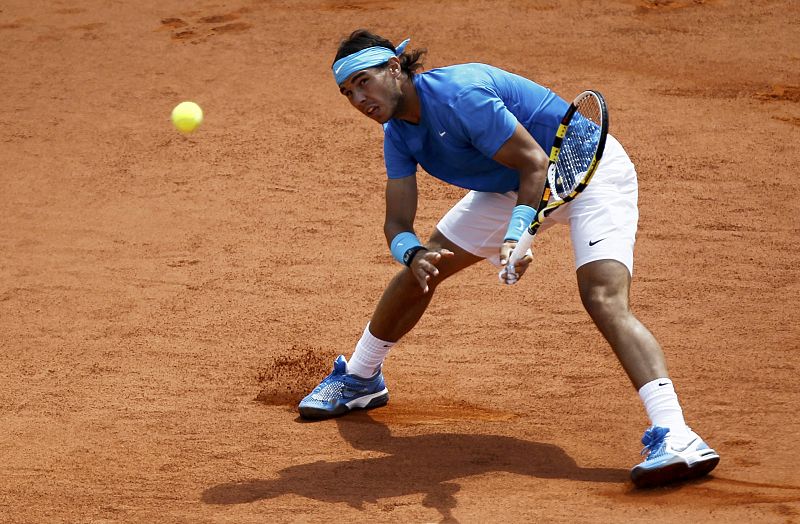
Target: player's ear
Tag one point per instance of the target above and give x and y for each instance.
(394, 67)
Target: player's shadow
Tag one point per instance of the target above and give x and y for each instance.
(422, 464)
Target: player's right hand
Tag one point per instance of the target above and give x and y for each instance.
(423, 266)
(509, 274)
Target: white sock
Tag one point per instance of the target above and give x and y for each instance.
(368, 356)
(661, 404)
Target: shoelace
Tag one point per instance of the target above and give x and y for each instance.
(653, 440)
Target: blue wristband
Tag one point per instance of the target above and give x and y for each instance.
(402, 243)
(521, 218)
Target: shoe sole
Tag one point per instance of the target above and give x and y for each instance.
(375, 400)
(698, 465)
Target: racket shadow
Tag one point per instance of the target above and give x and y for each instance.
(429, 465)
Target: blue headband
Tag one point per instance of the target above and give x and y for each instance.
(369, 57)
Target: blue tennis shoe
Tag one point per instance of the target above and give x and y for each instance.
(340, 393)
(669, 460)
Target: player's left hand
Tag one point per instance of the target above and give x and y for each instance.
(509, 275)
(423, 266)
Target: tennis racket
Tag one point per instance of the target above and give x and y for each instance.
(577, 149)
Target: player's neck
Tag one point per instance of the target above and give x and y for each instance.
(409, 108)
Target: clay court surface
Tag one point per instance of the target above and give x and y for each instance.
(166, 300)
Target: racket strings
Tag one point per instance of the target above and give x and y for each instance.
(578, 148)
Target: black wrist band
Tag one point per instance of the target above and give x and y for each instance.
(408, 256)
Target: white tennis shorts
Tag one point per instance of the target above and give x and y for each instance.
(602, 219)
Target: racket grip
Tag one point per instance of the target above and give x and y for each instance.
(522, 247)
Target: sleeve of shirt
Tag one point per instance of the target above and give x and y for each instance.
(486, 120)
(399, 162)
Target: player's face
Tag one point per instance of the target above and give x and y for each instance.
(375, 92)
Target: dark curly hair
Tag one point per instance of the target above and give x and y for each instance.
(360, 39)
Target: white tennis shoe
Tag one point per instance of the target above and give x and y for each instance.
(670, 458)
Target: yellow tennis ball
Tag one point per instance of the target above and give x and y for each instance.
(187, 116)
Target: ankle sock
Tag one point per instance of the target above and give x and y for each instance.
(368, 355)
(661, 403)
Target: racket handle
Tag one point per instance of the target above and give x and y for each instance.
(522, 247)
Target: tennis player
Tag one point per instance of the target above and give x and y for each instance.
(486, 130)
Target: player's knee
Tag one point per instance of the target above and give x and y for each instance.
(604, 302)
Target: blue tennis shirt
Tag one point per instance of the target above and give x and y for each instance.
(468, 111)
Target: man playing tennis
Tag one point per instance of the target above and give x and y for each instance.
(486, 130)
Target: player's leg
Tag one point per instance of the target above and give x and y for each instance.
(470, 230)
(603, 224)
(359, 384)
(402, 305)
(675, 451)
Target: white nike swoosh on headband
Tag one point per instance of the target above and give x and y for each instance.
(339, 69)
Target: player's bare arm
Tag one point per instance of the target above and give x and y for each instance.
(523, 154)
(401, 210)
